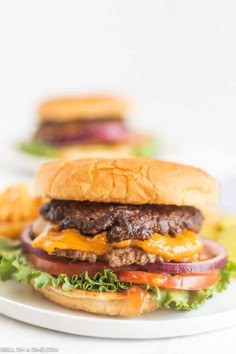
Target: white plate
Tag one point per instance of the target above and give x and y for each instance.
(24, 304)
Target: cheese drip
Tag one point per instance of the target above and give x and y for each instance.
(184, 247)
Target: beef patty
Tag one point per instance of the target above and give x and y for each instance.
(116, 257)
(73, 131)
(122, 222)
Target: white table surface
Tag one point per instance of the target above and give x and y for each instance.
(20, 337)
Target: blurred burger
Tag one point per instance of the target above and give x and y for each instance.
(122, 237)
(76, 127)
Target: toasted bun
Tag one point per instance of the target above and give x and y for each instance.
(126, 181)
(109, 304)
(91, 107)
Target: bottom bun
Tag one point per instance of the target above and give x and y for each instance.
(124, 304)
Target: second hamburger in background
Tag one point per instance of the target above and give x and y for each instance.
(86, 126)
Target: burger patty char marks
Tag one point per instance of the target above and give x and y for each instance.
(122, 221)
(116, 257)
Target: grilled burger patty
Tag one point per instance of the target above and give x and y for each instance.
(116, 257)
(51, 132)
(122, 222)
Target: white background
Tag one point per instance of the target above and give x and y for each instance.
(176, 59)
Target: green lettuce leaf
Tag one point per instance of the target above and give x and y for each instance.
(227, 273)
(184, 300)
(13, 264)
(38, 148)
(148, 148)
(8, 245)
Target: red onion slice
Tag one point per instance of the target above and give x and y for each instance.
(26, 243)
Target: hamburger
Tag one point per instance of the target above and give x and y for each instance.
(76, 127)
(121, 237)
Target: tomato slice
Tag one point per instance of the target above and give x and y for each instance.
(195, 281)
(189, 281)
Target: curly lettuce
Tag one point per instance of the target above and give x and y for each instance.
(16, 266)
(13, 264)
(147, 148)
(38, 148)
(180, 300)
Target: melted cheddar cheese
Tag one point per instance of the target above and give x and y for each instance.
(184, 247)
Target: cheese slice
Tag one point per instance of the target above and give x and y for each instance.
(184, 247)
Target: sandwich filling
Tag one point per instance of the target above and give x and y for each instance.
(135, 251)
(82, 131)
(122, 221)
(118, 234)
